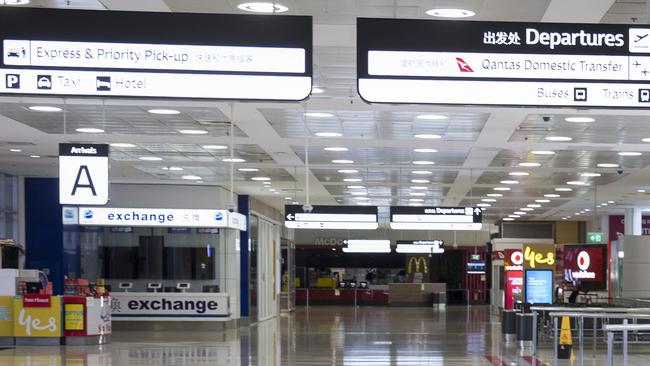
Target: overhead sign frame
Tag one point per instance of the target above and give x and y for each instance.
(435, 218)
(332, 217)
(155, 54)
(83, 174)
(420, 246)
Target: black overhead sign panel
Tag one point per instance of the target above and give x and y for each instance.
(166, 55)
(331, 217)
(435, 218)
(503, 63)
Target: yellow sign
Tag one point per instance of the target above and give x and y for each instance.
(565, 332)
(37, 322)
(6, 316)
(418, 260)
(539, 256)
(73, 316)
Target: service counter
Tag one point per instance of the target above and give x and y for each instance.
(170, 306)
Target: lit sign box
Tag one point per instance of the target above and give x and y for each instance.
(83, 174)
(420, 246)
(585, 263)
(514, 260)
(539, 286)
(331, 217)
(503, 63)
(145, 54)
(435, 218)
(366, 246)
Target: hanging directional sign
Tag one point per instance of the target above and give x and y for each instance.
(595, 238)
(83, 174)
(420, 246)
(331, 217)
(503, 63)
(155, 54)
(435, 218)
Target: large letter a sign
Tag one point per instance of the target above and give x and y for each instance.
(83, 174)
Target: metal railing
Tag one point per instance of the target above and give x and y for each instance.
(624, 328)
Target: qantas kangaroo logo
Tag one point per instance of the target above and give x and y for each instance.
(463, 66)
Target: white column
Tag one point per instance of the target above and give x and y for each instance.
(633, 221)
(604, 227)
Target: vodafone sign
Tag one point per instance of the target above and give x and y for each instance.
(584, 263)
(514, 260)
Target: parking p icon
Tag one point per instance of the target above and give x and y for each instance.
(12, 81)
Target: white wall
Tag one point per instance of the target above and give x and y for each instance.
(168, 196)
(635, 266)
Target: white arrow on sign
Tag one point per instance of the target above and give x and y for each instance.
(290, 217)
(477, 211)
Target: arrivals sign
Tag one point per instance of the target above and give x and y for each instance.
(503, 63)
(331, 217)
(435, 218)
(146, 54)
(83, 174)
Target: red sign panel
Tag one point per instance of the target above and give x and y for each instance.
(514, 286)
(36, 301)
(514, 260)
(584, 263)
(617, 225)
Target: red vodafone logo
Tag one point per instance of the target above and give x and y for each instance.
(517, 258)
(583, 260)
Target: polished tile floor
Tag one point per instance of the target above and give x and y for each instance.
(320, 336)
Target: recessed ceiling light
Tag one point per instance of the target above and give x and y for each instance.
(534, 205)
(425, 150)
(193, 132)
(328, 134)
(641, 190)
(191, 177)
(501, 188)
(488, 200)
(215, 147)
(415, 204)
(348, 171)
(150, 158)
(419, 188)
(647, 139)
(421, 181)
(122, 144)
(248, 170)
(579, 119)
(288, 198)
(15, 150)
(272, 190)
(175, 168)
(164, 111)
(233, 160)
(317, 90)
(431, 117)
(576, 183)
(514, 216)
(263, 7)
(429, 136)
(421, 172)
(450, 13)
(361, 198)
(336, 149)
(590, 174)
(416, 200)
(295, 203)
(261, 179)
(520, 213)
(529, 164)
(509, 182)
(353, 180)
(359, 193)
(587, 210)
(543, 201)
(342, 161)
(44, 108)
(423, 162)
(603, 204)
(563, 189)
(356, 187)
(35, 156)
(508, 219)
(518, 173)
(494, 195)
(557, 138)
(542, 152)
(607, 165)
(89, 130)
(483, 205)
(527, 209)
(417, 194)
(629, 153)
(610, 201)
(318, 114)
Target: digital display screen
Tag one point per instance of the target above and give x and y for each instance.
(539, 286)
(584, 263)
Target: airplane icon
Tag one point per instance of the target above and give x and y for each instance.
(640, 37)
(645, 72)
(636, 63)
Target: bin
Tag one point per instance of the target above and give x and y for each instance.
(524, 330)
(509, 325)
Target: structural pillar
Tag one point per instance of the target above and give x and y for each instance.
(633, 221)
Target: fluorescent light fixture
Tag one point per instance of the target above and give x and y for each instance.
(534, 205)
(415, 204)
(421, 172)
(527, 209)
(425, 150)
(494, 195)
(215, 147)
(529, 164)
(44, 108)
(233, 160)
(89, 130)
(342, 161)
(336, 148)
(508, 219)
(261, 179)
(191, 177)
(248, 170)
(348, 171)
(122, 144)
(150, 158)
(435, 226)
(629, 153)
(641, 190)
(501, 188)
(579, 119)
(520, 213)
(450, 13)
(483, 205)
(429, 136)
(610, 201)
(542, 152)
(563, 189)
(423, 162)
(514, 216)
(552, 195)
(543, 201)
(35, 156)
(353, 180)
(519, 174)
(421, 188)
(603, 204)
(607, 165)
(175, 168)
(193, 132)
(15, 150)
(417, 194)
(263, 7)
(288, 198)
(509, 182)
(488, 200)
(361, 198)
(576, 183)
(359, 193)
(557, 138)
(420, 181)
(431, 117)
(164, 111)
(317, 90)
(647, 139)
(356, 187)
(366, 246)
(318, 115)
(587, 210)
(416, 200)
(328, 134)
(590, 174)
